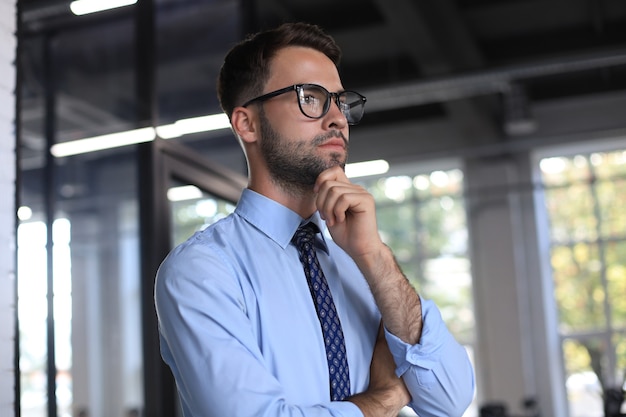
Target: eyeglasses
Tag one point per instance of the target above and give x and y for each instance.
(314, 101)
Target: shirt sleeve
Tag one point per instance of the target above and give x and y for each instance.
(436, 371)
(208, 342)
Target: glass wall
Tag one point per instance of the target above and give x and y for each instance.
(79, 83)
(83, 77)
(95, 265)
(32, 290)
(585, 197)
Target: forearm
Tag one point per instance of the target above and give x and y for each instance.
(395, 297)
(386, 394)
(434, 367)
(378, 403)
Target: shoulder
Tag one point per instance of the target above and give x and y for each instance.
(202, 265)
(202, 252)
(209, 244)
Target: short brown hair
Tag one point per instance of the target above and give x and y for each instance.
(246, 67)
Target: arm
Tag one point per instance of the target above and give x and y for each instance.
(386, 394)
(434, 367)
(349, 212)
(398, 302)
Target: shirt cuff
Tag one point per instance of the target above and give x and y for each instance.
(425, 354)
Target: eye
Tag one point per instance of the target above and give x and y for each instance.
(312, 95)
(309, 99)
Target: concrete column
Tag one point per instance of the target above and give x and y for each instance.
(518, 354)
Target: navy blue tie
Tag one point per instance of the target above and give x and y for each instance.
(334, 343)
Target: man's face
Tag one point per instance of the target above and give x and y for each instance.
(298, 162)
(297, 148)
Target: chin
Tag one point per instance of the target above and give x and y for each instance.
(337, 160)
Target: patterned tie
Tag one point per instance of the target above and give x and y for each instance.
(329, 320)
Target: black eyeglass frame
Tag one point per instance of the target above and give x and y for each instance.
(331, 96)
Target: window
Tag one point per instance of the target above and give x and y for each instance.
(84, 77)
(32, 313)
(585, 197)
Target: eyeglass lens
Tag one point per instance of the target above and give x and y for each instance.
(315, 102)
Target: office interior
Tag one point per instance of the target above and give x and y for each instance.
(494, 142)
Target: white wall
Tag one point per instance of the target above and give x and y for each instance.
(7, 205)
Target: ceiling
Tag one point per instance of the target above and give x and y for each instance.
(444, 77)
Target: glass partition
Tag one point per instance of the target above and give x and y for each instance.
(78, 82)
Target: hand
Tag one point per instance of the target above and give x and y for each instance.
(349, 211)
(386, 394)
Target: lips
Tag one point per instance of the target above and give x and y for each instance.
(335, 143)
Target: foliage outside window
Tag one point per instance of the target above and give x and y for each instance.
(194, 211)
(585, 198)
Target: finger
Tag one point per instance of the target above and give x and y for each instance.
(336, 200)
(332, 174)
(329, 201)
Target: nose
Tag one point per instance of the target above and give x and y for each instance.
(335, 119)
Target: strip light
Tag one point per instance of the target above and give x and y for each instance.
(183, 193)
(363, 169)
(81, 7)
(131, 137)
(98, 143)
(194, 125)
(179, 128)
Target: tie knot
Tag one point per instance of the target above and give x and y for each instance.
(305, 234)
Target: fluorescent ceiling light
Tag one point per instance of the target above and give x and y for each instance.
(131, 137)
(194, 125)
(363, 169)
(98, 143)
(184, 192)
(81, 7)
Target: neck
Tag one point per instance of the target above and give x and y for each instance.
(299, 199)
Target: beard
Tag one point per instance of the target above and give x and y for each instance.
(294, 165)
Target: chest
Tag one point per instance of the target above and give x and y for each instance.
(286, 326)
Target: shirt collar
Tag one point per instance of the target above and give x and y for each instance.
(276, 221)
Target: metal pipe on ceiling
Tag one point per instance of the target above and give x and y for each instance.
(485, 82)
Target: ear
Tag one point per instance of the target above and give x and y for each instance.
(245, 124)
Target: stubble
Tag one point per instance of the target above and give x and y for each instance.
(295, 165)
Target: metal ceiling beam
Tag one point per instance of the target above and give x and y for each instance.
(485, 82)
(409, 29)
(439, 30)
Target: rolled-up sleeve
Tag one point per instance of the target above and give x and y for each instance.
(437, 370)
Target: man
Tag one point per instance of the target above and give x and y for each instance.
(239, 327)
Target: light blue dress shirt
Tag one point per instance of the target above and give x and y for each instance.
(239, 330)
